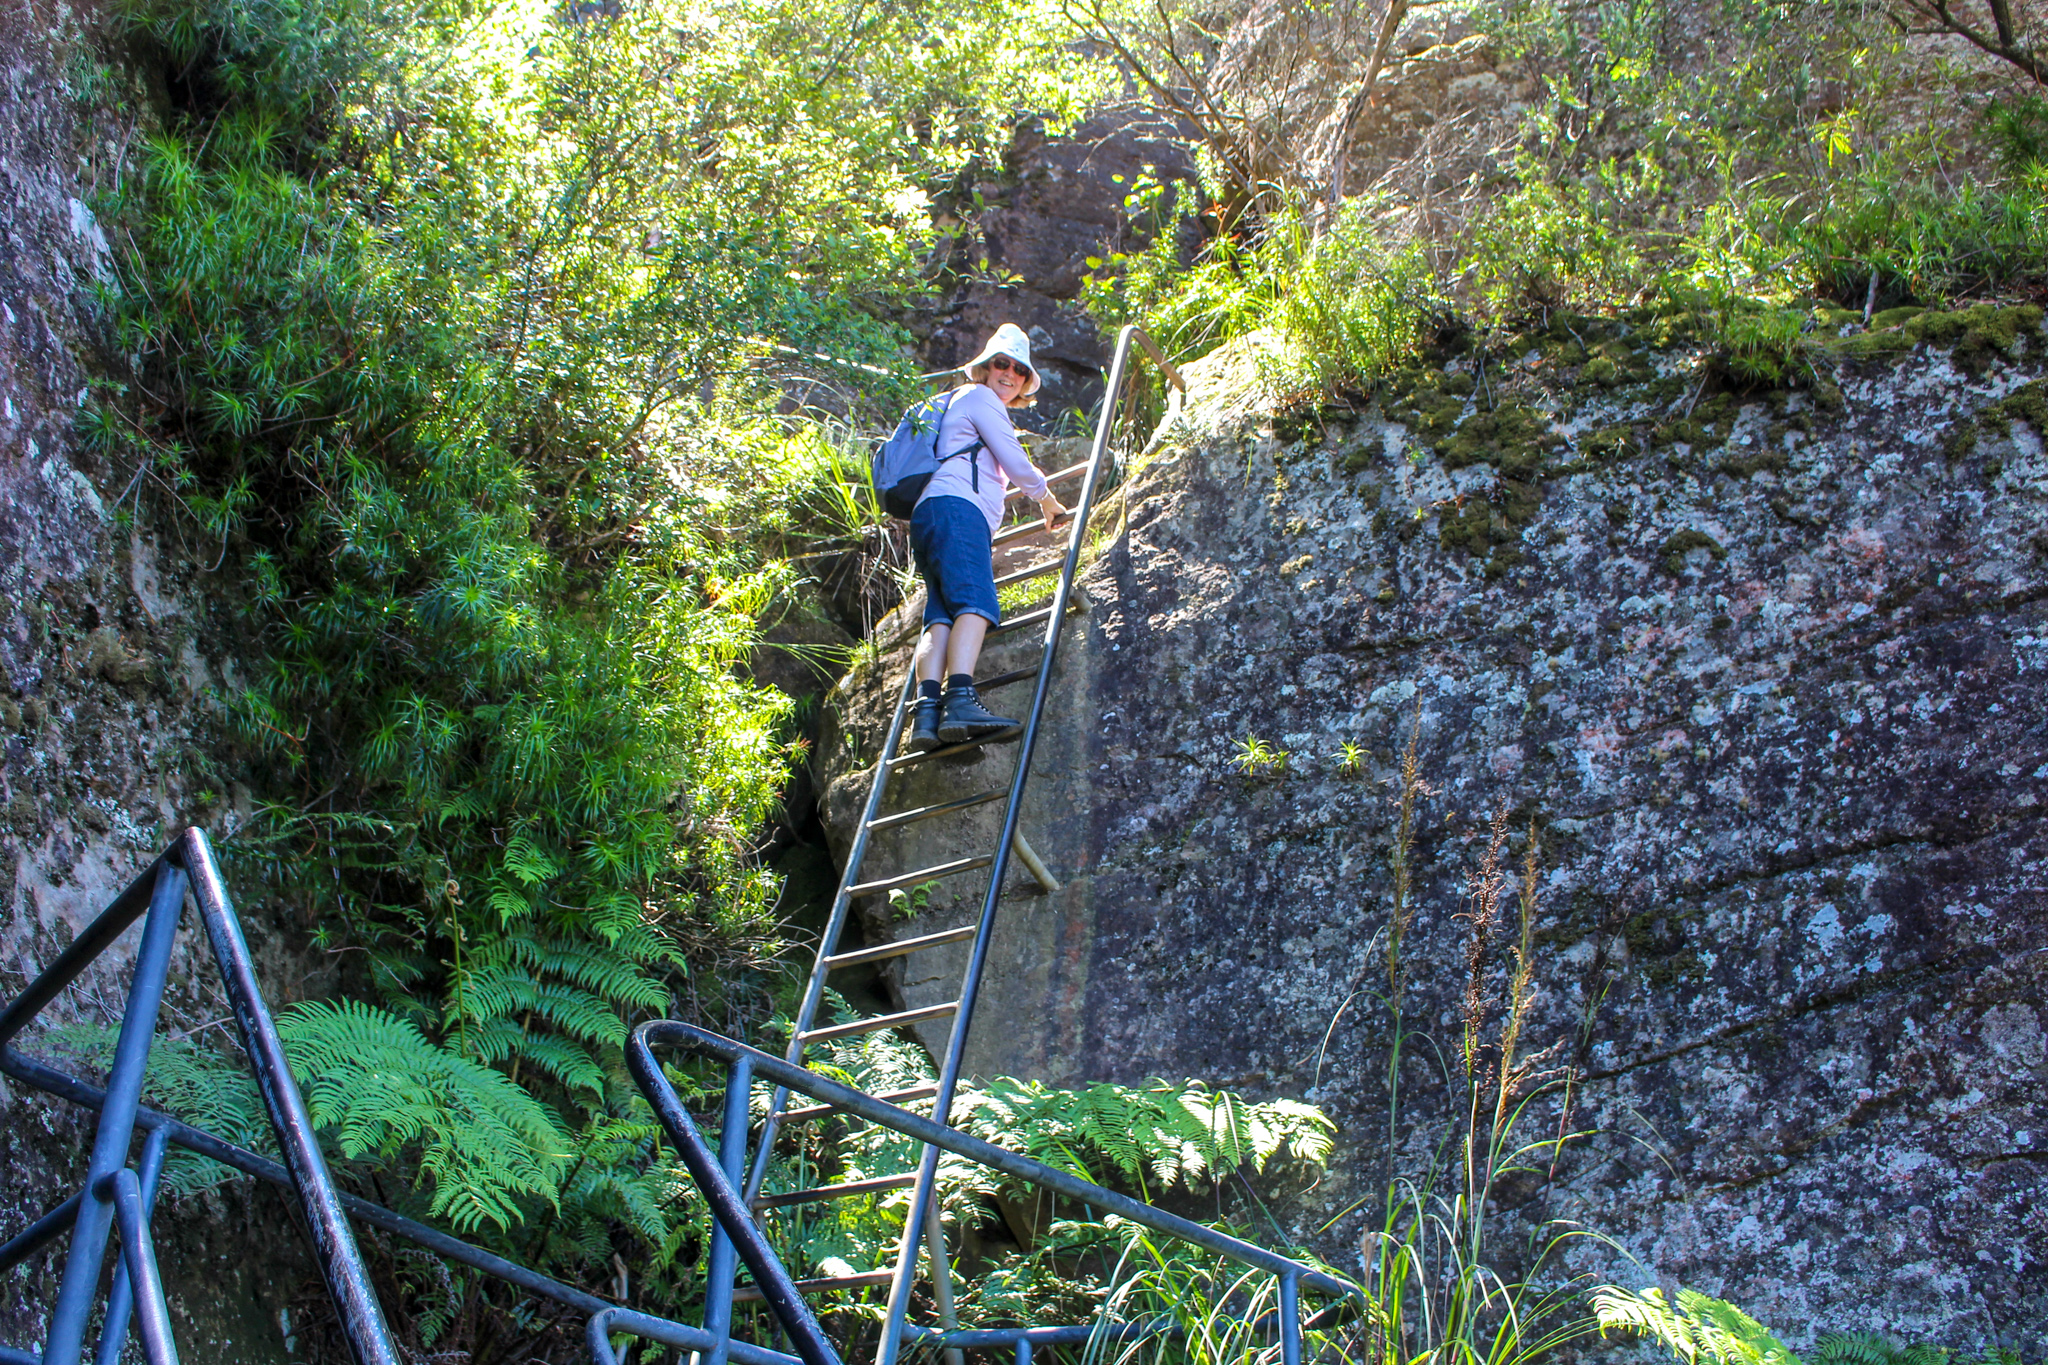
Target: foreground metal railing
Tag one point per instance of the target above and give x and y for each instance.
(717, 1176)
(115, 1195)
(117, 1200)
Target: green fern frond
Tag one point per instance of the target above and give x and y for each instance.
(1698, 1327)
(484, 1144)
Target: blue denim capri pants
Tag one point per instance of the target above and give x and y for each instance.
(951, 544)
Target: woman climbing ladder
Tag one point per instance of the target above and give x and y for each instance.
(952, 534)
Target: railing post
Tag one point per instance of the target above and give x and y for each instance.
(1290, 1318)
(732, 1156)
(65, 1343)
(121, 1299)
(327, 1229)
(152, 1313)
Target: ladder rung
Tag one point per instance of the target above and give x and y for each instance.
(1036, 571)
(1069, 472)
(1018, 532)
(926, 874)
(902, 761)
(1015, 675)
(902, 947)
(911, 817)
(1030, 618)
(880, 1022)
(812, 1111)
(848, 1190)
(747, 1293)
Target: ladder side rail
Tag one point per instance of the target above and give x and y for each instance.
(64, 1343)
(835, 924)
(956, 1045)
(327, 1227)
(668, 1033)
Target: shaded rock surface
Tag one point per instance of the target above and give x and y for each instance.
(1766, 671)
(1023, 238)
(113, 657)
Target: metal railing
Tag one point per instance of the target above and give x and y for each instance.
(114, 1194)
(715, 1173)
(117, 1200)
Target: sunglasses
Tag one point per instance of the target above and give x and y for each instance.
(1003, 362)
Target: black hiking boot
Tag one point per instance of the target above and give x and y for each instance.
(924, 726)
(964, 718)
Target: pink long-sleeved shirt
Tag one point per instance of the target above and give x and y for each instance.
(975, 413)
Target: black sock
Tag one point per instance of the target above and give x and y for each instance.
(928, 689)
(957, 680)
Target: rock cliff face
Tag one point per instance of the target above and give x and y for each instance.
(1766, 672)
(113, 654)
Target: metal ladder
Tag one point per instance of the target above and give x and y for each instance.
(922, 1232)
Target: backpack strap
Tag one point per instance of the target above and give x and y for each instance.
(974, 466)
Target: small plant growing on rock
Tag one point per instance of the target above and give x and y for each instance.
(908, 902)
(1256, 758)
(1351, 759)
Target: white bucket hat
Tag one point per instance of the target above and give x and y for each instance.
(1008, 340)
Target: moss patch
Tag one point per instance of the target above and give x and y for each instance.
(1671, 554)
(1512, 438)
(2028, 403)
(1491, 526)
(1769, 457)
(1980, 334)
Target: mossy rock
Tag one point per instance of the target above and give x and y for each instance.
(1768, 457)
(1512, 438)
(1671, 554)
(2028, 403)
(1979, 334)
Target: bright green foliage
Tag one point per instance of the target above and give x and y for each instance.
(1354, 301)
(1799, 154)
(1151, 1138)
(376, 1088)
(1701, 1329)
(1156, 1136)
(380, 1088)
(441, 321)
(1695, 1327)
